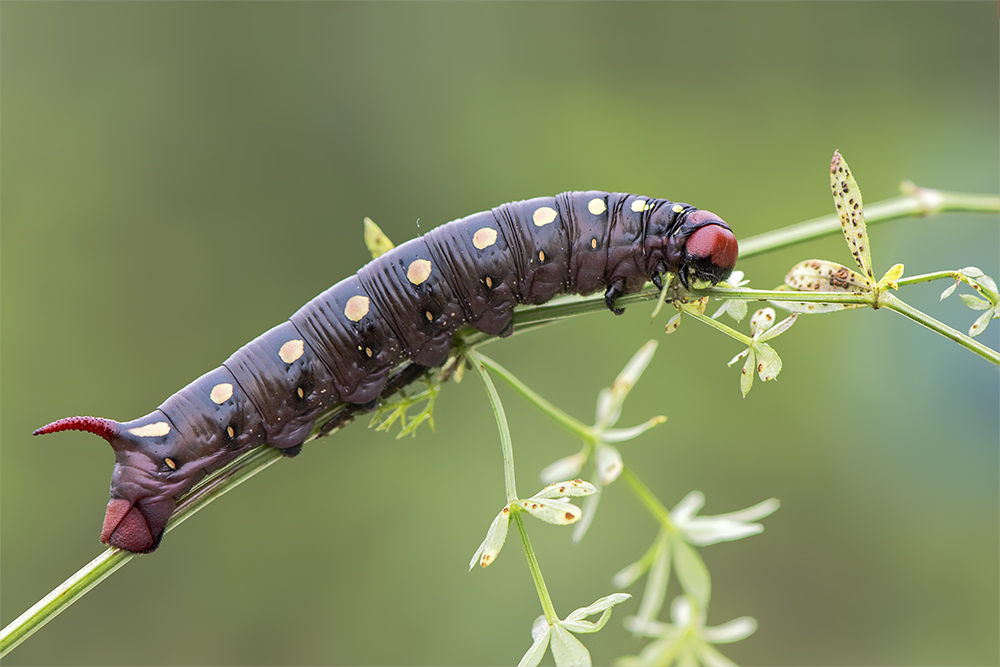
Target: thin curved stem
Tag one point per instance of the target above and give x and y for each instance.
(895, 304)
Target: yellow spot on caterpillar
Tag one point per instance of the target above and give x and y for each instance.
(640, 205)
(230, 432)
(291, 350)
(368, 351)
(677, 208)
(597, 206)
(428, 315)
(151, 430)
(544, 216)
(489, 281)
(301, 393)
(593, 243)
(356, 308)
(170, 463)
(541, 255)
(419, 271)
(221, 393)
(484, 238)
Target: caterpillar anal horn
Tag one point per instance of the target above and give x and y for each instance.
(106, 428)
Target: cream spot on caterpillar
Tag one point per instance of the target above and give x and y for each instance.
(221, 393)
(418, 271)
(677, 208)
(484, 238)
(544, 216)
(151, 430)
(597, 206)
(291, 350)
(356, 308)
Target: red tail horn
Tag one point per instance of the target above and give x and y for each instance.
(106, 428)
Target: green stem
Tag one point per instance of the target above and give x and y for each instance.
(917, 202)
(536, 571)
(96, 570)
(715, 324)
(59, 599)
(505, 444)
(566, 421)
(892, 302)
(953, 275)
(652, 503)
(745, 294)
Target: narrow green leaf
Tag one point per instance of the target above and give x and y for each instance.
(746, 379)
(375, 239)
(691, 572)
(655, 593)
(979, 326)
(495, 537)
(768, 362)
(891, 276)
(974, 302)
(536, 651)
(567, 650)
(602, 604)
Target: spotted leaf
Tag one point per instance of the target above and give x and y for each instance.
(576, 487)
(495, 537)
(847, 199)
(557, 512)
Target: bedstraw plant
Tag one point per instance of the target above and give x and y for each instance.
(683, 636)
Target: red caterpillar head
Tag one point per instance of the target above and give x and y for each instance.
(697, 246)
(710, 252)
(142, 491)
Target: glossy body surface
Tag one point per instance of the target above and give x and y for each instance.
(407, 304)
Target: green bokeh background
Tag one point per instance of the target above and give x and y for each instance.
(177, 178)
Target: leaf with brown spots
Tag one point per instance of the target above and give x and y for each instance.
(557, 512)
(576, 487)
(495, 537)
(847, 199)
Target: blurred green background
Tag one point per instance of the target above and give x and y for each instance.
(177, 178)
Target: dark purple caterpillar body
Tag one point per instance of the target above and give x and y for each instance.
(407, 304)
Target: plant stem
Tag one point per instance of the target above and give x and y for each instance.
(61, 597)
(536, 572)
(745, 294)
(652, 503)
(566, 421)
(892, 302)
(96, 570)
(715, 324)
(916, 202)
(505, 444)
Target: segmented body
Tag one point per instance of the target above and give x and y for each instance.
(406, 304)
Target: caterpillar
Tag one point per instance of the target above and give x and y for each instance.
(343, 346)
